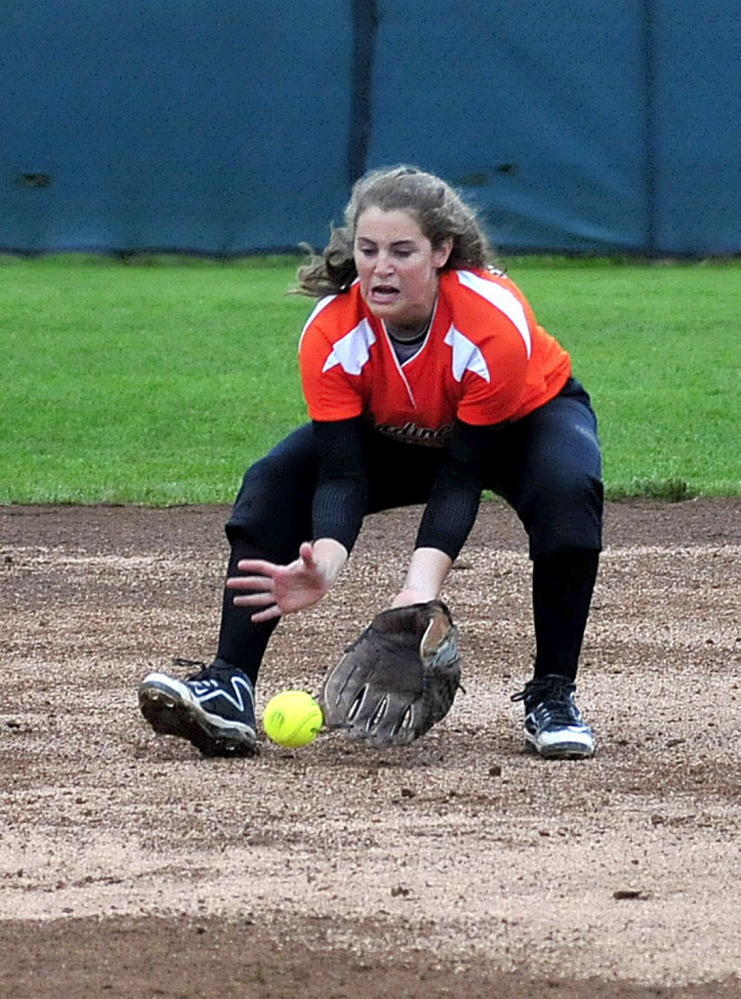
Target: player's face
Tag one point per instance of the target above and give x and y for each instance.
(397, 266)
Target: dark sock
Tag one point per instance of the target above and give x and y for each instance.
(562, 592)
(242, 642)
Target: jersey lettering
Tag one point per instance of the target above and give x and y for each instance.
(437, 437)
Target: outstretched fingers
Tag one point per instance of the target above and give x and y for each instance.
(264, 598)
(259, 589)
(265, 615)
(259, 583)
(279, 589)
(257, 565)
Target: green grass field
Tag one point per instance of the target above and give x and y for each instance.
(159, 383)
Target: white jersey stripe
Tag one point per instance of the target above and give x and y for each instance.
(502, 299)
(466, 356)
(321, 304)
(352, 351)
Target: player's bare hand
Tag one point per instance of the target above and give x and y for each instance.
(280, 589)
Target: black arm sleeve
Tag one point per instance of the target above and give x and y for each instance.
(340, 497)
(454, 501)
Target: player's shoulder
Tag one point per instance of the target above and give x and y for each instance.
(488, 286)
(333, 316)
(486, 303)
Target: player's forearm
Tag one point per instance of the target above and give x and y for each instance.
(339, 503)
(454, 501)
(427, 572)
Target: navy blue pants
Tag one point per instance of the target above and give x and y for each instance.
(547, 466)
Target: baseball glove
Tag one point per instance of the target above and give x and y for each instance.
(398, 678)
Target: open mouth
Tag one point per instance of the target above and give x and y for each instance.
(383, 293)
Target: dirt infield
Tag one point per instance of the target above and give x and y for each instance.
(457, 867)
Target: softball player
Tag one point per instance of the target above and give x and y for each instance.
(427, 379)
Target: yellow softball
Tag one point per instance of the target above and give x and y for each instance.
(292, 718)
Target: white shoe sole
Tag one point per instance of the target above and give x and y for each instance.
(575, 748)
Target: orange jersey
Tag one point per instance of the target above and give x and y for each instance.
(484, 360)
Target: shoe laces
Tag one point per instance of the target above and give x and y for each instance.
(214, 670)
(552, 694)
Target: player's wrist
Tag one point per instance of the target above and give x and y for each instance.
(330, 556)
(408, 596)
(424, 579)
(403, 599)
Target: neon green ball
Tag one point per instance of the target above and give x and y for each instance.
(292, 718)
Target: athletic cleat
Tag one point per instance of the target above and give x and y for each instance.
(214, 709)
(554, 727)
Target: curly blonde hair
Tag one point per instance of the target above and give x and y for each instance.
(438, 210)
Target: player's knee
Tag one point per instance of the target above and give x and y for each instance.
(273, 507)
(565, 514)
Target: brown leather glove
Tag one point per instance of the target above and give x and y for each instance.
(398, 679)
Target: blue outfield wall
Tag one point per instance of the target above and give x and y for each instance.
(588, 126)
(539, 109)
(213, 127)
